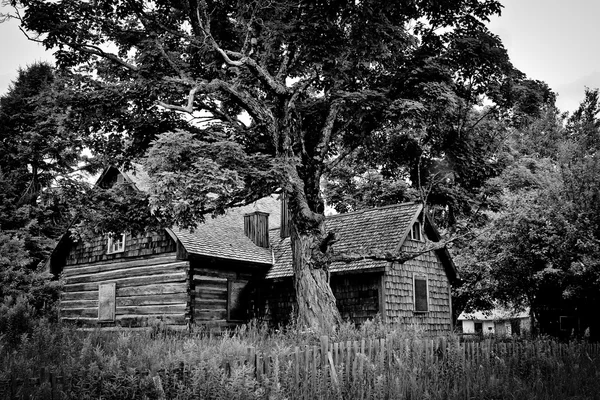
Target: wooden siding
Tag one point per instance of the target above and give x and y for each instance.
(277, 301)
(211, 280)
(95, 250)
(399, 300)
(357, 295)
(147, 288)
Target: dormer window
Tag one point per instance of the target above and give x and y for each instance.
(415, 232)
(116, 244)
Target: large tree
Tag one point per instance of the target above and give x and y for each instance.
(274, 94)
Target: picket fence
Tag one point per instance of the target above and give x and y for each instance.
(331, 366)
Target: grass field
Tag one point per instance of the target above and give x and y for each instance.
(373, 362)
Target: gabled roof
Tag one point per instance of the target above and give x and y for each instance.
(383, 229)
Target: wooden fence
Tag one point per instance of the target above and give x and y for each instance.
(332, 368)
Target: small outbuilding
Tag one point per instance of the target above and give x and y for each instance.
(496, 322)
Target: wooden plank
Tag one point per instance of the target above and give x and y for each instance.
(170, 288)
(128, 272)
(174, 298)
(212, 286)
(211, 295)
(210, 304)
(159, 309)
(64, 305)
(88, 295)
(113, 263)
(128, 282)
(79, 312)
(207, 315)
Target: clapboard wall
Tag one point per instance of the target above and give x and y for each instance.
(148, 281)
(399, 292)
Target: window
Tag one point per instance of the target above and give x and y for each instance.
(415, 231)
(237, 302)
(106, 301)
(116, 244)
(421, 297)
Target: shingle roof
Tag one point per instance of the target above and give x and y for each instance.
(224, 237)
(383, 229)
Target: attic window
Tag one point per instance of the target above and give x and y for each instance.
(420, 293)
(116, 244)
(415, 232)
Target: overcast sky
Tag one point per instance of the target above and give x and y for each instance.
(555, 41)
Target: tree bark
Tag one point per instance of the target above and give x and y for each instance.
(316, 303)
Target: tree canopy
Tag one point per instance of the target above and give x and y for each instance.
(271, 96)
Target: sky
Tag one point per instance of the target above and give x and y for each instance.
(554, 41)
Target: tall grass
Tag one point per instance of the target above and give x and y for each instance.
(158, 363)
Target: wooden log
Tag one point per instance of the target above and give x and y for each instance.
(175, 298)
(207, 315)
(129, 282)
(70, 304)
(203, 294)
(159, 269)
(210, 304)
(121, 263)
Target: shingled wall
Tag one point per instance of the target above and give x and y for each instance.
(399, 292)
(357, 295)
(95, 249)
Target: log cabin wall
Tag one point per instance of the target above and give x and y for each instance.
(223, 291)
(145, 282)
(357, 295)
(399, 292)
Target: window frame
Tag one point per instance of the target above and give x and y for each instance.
(416, 231)
(111, 242)
(420, 277)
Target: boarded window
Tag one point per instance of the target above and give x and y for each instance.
(415, 232)
(106, 301)
(420, 294)
(116, 244)
(237, 300)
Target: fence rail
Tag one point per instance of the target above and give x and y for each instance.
(365, 365)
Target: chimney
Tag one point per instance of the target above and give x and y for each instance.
(256, 227)
(285, 217)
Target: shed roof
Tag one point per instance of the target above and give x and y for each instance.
(497, 314)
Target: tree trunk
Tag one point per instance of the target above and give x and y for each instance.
(315, 299)
(310, 246)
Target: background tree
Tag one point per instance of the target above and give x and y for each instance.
(285, 89)
(40, 150)
(540, 248)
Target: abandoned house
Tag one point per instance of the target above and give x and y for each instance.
(238, 266)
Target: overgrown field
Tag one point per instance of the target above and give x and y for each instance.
(373, 362)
